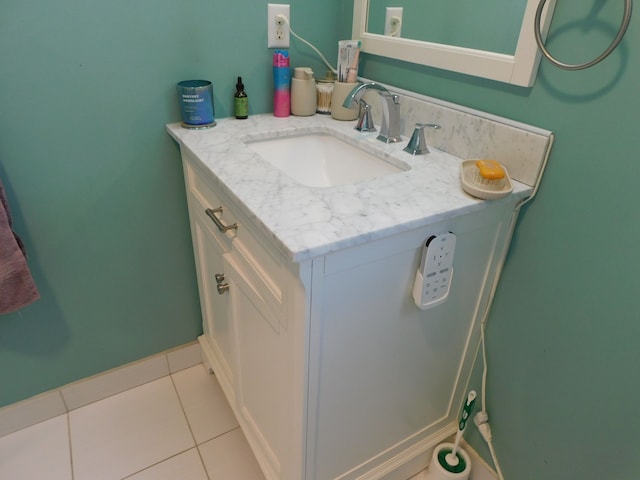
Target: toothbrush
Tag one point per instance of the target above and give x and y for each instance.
(346, 51)
(452, 458)
(353, 70)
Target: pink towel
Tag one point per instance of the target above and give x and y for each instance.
(17, 288)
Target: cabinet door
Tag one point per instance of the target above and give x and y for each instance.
(213, 282)
(263, 396)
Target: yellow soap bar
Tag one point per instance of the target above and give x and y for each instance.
(490, 169)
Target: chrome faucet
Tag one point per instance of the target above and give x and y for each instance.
(390, 128)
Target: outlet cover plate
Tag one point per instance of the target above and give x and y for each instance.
(277, 35)
(390, 27)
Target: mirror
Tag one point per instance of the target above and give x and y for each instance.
(462, 23)
(504, 52)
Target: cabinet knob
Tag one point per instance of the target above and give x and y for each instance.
(219, 278)
(222, 288)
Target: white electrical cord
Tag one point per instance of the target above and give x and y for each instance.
(481, 418)
(286, 20)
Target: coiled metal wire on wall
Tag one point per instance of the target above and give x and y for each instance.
(626, 18)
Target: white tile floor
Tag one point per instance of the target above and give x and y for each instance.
(177, 427)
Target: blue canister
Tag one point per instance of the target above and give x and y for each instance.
(196, 103)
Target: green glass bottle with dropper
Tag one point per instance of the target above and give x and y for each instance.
(240, 101)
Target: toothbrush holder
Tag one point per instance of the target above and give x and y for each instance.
(340, 92)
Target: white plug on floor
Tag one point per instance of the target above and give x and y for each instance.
(482, 422)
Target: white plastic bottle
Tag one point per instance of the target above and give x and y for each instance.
(303, 92)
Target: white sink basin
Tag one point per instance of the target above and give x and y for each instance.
(322, 160)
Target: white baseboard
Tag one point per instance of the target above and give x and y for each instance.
(480, 470)
(63, 399)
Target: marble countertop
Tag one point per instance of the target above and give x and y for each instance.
(311, 221)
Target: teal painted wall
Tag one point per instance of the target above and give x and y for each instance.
(94, 182)
(96, 190)
(563, 333)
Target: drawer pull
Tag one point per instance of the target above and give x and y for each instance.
(222, 288)
(221, 226)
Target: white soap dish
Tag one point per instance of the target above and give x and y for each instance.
(480, 189)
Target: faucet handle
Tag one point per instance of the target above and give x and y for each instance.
(365, 121)
(418, 143)
(395, 98)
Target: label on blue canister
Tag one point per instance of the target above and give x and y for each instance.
(196, 102)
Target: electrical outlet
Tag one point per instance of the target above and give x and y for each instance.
(393, 21)
(277, 28)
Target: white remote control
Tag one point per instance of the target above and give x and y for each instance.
(433, 279)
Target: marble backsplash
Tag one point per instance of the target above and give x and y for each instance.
(472, 134)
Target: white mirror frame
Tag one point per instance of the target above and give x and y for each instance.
(519, 69)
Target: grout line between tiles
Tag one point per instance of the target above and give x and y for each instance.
(168, 364)
(161, 461)
(204, 466)
(222, 434)
(19, 408)
(73, 473)
(184, 412)
(195, 441)
(64, 401)
(115, 393)
(186, 418)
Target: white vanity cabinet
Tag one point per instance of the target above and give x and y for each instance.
(331, 369)
(250, 339)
